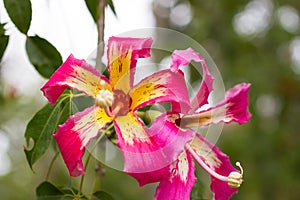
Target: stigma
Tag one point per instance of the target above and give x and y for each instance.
(104, 98)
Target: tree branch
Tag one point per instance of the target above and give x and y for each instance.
(100, 28)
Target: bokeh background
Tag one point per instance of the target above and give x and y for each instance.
(253, 41)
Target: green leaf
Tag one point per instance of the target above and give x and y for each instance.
(3, 40)
(47, 190)
(101, 195)
(43, 55)
(92, 6)
(40, 129)
(19, 12)
(68, 108)
(2, 30)
(111, 5)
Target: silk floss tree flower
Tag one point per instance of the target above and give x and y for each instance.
(116, 100)
(177, 179)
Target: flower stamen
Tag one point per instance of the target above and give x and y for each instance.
(104, 98)
(234, 180)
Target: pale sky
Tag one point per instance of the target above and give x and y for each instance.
(69, 27)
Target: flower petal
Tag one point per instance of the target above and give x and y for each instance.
(234, 108)
(76, 74)
(74, 135)
(148, 155)
(184, 57)
(217, 161)
(181, 181)
(205, 89)
(162, 86)
(122, 57)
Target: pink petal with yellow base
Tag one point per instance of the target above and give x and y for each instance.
(234, 108)
(147, 157)
(181, 180)
(123, 54)
(217, 161)
(75, 134)
(75, 74)
(162, 86)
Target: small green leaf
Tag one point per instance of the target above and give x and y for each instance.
(101, 195)
(47, 190)
(19, 12)
(92, 6)
(68, 109)
(40, 130)
(2, 30)
(43, 55)
(111, 5)
(3, 40)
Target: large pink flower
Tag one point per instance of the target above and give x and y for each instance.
(178, 177)
(116, 100)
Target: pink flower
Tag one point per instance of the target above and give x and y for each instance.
(116, 100)
(177, 179)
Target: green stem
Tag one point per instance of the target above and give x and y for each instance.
(87, 162)
(51, 165)
(100, 27)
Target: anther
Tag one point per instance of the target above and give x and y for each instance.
(104, 98)
(235, 179)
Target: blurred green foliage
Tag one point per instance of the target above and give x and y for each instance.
(267, 146)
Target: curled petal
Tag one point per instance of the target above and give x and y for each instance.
(122, 57)
(75, 74)
(150, 152)
(74, 135)
(205, 89)
(181, 180)
(234, 108)
(184, 57)
(163, 86)
(218, 162)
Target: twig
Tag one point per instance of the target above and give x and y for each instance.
(100, 28)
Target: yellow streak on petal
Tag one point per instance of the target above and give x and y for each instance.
(88, 126)
(204, 151)
(147, 90)
(85, 81)
(131, 129)
(102, 118)
(120, 67)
